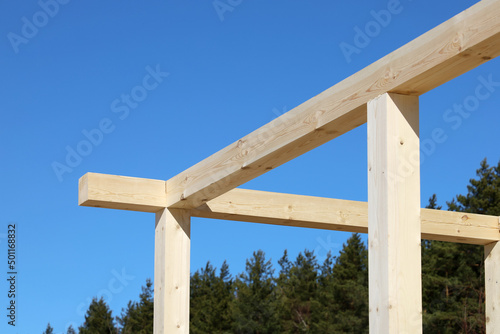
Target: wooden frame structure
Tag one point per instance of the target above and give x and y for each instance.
(384, 94)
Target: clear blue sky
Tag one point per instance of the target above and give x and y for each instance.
(228, 74)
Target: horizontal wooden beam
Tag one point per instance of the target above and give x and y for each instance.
(121, 192)
(145, 195)
(341, 215)
(445, 52)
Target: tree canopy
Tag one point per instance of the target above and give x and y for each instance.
(305, 296)
(98, 319)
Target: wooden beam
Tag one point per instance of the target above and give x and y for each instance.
(394, 254)
(492, 285)
(460, 227)
(341, 215)
(121, 192)
(288, 210)
(172, 275)
(106, 191)
(445, 52)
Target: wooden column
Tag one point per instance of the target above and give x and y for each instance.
(395, 291)
(171, 284)
(492, 284)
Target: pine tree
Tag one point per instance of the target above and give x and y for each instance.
(327, 308)
(453, 274)
(344, 290)
(483, 195)
(49, 329)
(297, 287)
(70, 330)
(433, 203)
(138, 317)
(211, 297)
(255, 305)
(98, 319)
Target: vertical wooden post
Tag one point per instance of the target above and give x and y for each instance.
(171, 284)
(492, 285)
(395, 293)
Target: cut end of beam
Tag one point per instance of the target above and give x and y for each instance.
(83, 190)
(121, 192)
(145, 195)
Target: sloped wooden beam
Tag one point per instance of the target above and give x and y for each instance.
(129, 193)
(445, 52)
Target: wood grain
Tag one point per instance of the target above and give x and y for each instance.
(128, 193)
(172, 272)
(394, 254)
(492, 286)
(443, 53)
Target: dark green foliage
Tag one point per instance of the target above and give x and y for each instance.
(98, 319)
(255, 304)
(483, 194)
(297, 289)
(49, 329)
(453, 274)
(70, 330)
(344, 290)
(453, 288)
(327, 309)
(211, 298)
(306, 297)
(433, 203)
(138, 317)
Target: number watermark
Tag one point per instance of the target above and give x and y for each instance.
(11, 274)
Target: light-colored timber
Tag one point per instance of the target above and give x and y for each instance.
(265, 207)
(121, 192)
(443, 53)
(492, 286)
(394, 254)
(207, 189)
(172, 272)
